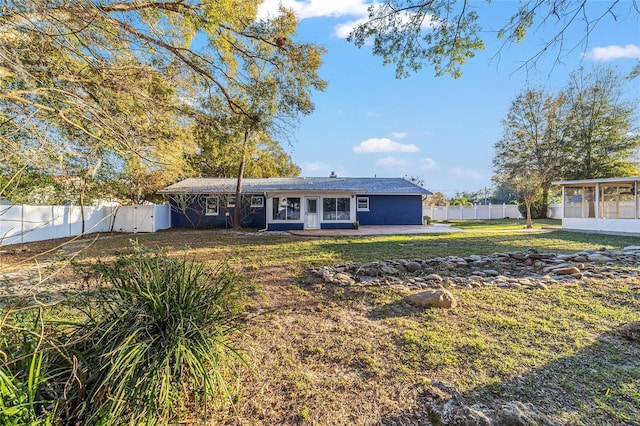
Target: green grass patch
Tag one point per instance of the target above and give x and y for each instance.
(504, 224)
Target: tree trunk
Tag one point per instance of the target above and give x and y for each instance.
(545, 201)
(528, 202)
(238, 206)
(82, 210)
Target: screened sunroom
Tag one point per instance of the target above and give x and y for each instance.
(601, 205)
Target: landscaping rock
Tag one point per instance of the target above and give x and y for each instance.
(631, 331)
(499, 270)
(434, 298)
(432, 277)
(343, 279)
(467, 416)
(413, 267)
(515, 413)
(598, 258)
(566, 271)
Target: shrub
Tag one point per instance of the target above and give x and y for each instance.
(159, 339)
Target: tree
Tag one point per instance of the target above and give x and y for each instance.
(219, 156)
(437, 199)
(271, 93)
(503, 194)
(604, 142)
(534, 141)
(528, 184)
(128, 75)
(444, 34)
(583, 132)
(462, 199)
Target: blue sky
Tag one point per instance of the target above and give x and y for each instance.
(442, 130)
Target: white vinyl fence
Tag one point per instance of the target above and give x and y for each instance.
(554, 211)
(498, 211)
(21, 224)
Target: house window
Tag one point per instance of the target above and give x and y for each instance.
(231, 201)
(286, 208)
(257, 201)
(211, 206)
(362, 204)
(336, 209)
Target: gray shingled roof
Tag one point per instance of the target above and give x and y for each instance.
(396, 186)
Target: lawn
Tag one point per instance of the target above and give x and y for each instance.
(504, 224)
(323, 354)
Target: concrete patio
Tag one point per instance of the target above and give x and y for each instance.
(378, 230)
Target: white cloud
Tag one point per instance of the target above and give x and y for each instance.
(391, 162)
(315, 8)
(344, 29)
(399, 135)
(466, 174)
(428, 164)
(384, 145)
(608, 53)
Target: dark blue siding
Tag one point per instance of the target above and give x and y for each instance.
(329, 225)
(193, 216)
(392, 210)
(294, 226)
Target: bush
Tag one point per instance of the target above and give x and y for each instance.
(158, 341)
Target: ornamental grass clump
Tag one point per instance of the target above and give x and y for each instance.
(25, 379)
(159, 340)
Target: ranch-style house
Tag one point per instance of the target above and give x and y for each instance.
(296, 203)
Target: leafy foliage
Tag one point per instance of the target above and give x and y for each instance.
(603, 139)
(437, 199)
(116, 88)
(444, 34)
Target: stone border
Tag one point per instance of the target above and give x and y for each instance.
(530, 270)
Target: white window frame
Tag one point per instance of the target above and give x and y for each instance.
(231, 201)
(362, 209)
(337, 197)
(272, 205)
(257, 201)
(208, 211)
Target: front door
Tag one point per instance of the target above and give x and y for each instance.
(311, 214)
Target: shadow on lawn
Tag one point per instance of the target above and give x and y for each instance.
(600, 385)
